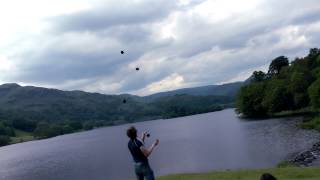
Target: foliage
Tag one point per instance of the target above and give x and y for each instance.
(313, 123)
(24, 124)
(314, 93)
(258, 76)
(6, 130)
(277, 64)
(277, 97)
(285, 87)
(42, 130)
(183, 105)
(4, 140)
(250, 100)
(88, 125)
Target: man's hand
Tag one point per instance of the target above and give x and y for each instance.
(143, 135)
(156, 142)
(147, 152)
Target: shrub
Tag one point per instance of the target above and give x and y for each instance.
(4, 140)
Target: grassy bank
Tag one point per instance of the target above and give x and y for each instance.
(299, 112)
(311, 123)
(290, 173)
(21, 136)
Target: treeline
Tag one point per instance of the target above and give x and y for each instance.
(43, 129)
(184, 105)
(287, 86)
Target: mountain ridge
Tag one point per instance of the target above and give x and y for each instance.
(49, 104)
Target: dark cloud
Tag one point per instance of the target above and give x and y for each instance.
(116, 14)
(307, 17)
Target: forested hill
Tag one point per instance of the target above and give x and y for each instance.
(50, 112)
(229, 89)
(287, 86)
(36, 104)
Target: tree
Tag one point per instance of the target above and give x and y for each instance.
(314, 94)
(299, 82)
(55, 130)
(314, 53)
(2, 129)
(277, 97)
(88, 125)
(42, 130)
(23, 124)
(277, 64)
(75, 125)
(66, 129)
(258, 76)
(4, 140)
(250, 98)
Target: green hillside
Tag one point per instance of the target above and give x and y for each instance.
(43, 112)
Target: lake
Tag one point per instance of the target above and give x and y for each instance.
(199, 143)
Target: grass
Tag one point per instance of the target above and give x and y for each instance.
(299, 112)
(21, 136)
(285, 164)
(289, 173)
(313, 123)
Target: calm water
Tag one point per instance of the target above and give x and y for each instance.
(198, 143)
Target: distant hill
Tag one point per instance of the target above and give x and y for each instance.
(230, 90)
(42, 112)
(43, 104)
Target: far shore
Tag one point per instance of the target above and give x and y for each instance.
(23, 136)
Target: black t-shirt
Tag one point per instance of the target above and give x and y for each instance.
(134, 147)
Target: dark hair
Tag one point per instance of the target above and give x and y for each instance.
(132, 132)
(267, 176)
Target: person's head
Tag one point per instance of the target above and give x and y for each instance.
(132, 132)
(267, 176)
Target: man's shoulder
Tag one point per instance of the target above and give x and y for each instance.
(135, 142)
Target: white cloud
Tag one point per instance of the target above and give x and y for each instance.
(174, 81)
(75, 44)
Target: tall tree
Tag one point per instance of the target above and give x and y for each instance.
(314, 94)
(250, 98)
(277, 64)
(258, 76)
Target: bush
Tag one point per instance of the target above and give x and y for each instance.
(2, 129)
(42, 130)
(75, 125)
(55, 130)
(314, 94)
(66, 129)
(311, 124)
(24, 125)
(6, 131)
(10, 131)
(4, 140)
(88, 126)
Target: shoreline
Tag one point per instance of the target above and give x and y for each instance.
(307, 157)
(118, 123)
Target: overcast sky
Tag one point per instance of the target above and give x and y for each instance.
(76, 44)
